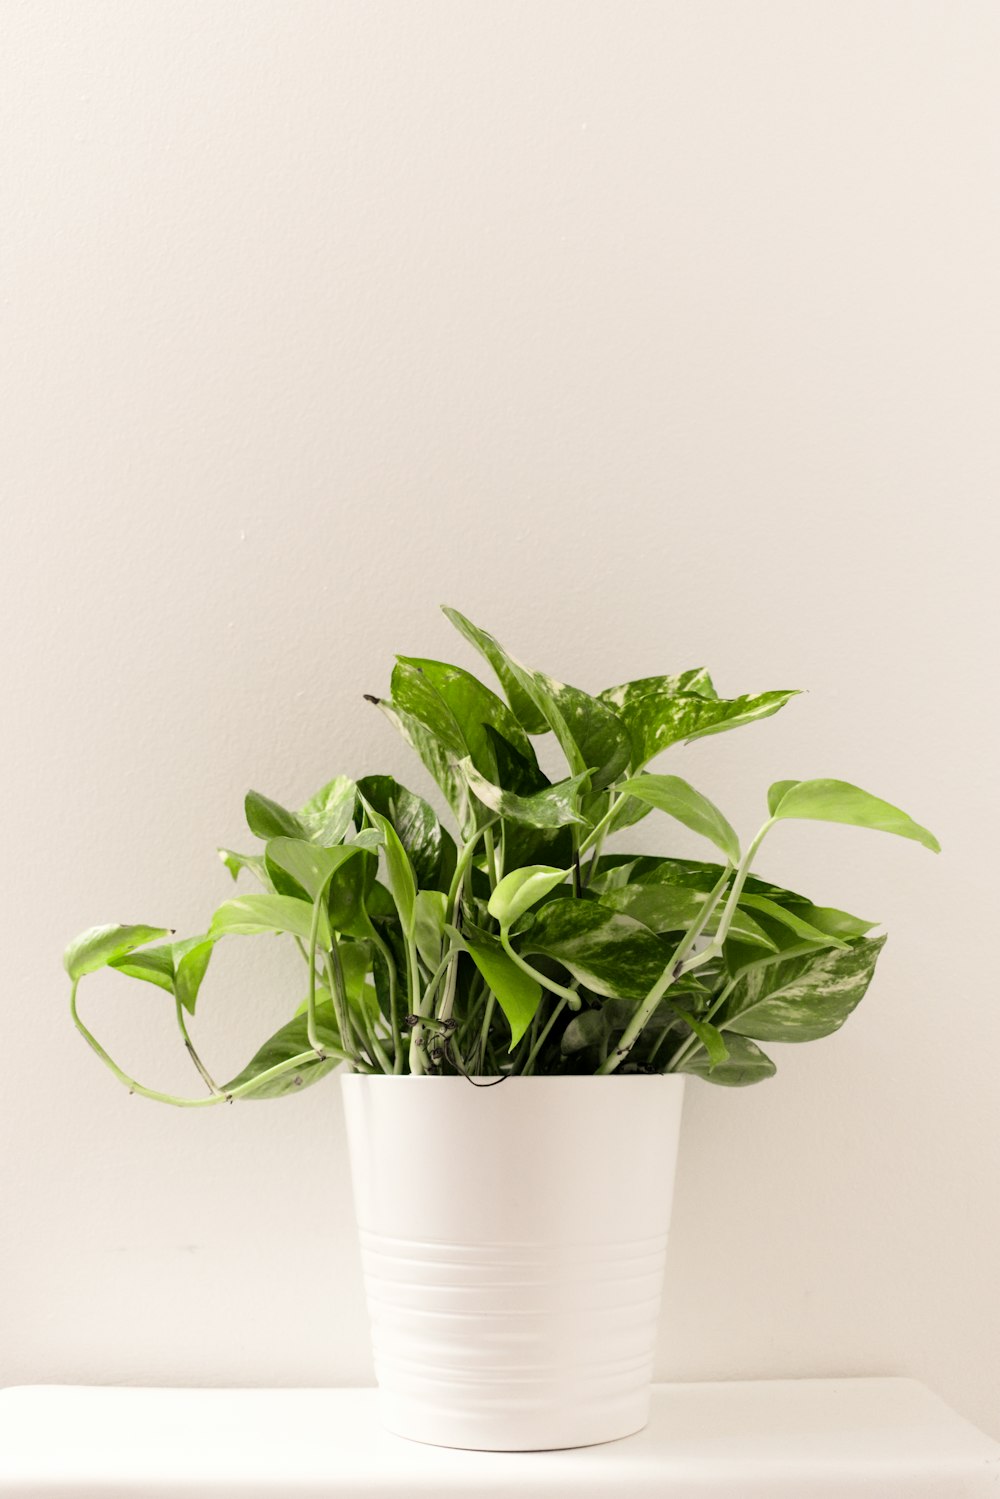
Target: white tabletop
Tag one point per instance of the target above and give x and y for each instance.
(847, 1438)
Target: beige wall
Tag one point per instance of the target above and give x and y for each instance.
(648, 334)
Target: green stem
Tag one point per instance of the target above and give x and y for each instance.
(670, 974)
(536, 1048)
(130, 1083)
(598, 833)
(359, 1025)
(491, 857)
(390, 967)
(691, 1042)
(484, 1033)
(203, 1072)
(573, 1000)
(464, 860)
(418, 1037)
(448, 997)
(339, 1007)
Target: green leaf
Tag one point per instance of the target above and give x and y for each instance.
(745, 1064)
(311, 865)
(517, 994)
(660, 711)
(100, 945)
(352, 890)
(628, 872)
(588, 732)
(430, 914)
(775, 794)
(712, 1040)
(518, 891)
(253, 862)
(402, 882)
(553, 807)
(176, 967)
(789, 917)
(328, 814)
(588, 1028)
(291, 1041)
(801, 999)
(674, 908)
(610, 953)
(430, 849)
(833, 922)
(267, 819)
(680, 800)
(457, 707)
(438, 760)
(247, 915)
(155, 965)
(839, 801)
(522, 704)
(191, 960)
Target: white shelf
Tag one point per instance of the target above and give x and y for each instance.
(834, 1438)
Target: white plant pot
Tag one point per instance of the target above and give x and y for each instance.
(513, 1241)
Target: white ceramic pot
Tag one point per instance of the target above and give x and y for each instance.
(513, 1241)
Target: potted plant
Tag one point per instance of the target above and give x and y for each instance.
(513, 1251)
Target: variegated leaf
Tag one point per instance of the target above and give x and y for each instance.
(801, 999)
(657, 714)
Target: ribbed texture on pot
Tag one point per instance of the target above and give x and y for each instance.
(514, 1296)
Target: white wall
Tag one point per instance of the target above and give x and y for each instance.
(648, 334)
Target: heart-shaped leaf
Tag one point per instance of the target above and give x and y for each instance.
(612, 954)
(744, 1065)
(402, 881)
(268, 819)
(310, 865)
(292, 1040)
(248, 915)
(253, 862)
(789, 917)
(801, 999)
(661, 711)
(430, 849)
(518, 995)
(588, 731)
(839, 801)
(553, 807)
(674, 908)
(177, 967)
(521, 702)
(518, 891)
(680, 800)
(328, 814)
(430, 914)
(100, 945)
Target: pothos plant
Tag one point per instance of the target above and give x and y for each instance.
(519, 944)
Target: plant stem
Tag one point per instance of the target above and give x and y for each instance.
(203, 1072)
(390, 968)
(599, 835)
(464, 860)
(339, 1004)
(418, 1039)
(573, 1000)
(359, 1026)
(491, 857)
(278, 1070)
(670, 974)
(691, 1042)
(484, 1033)
(536, 1048)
